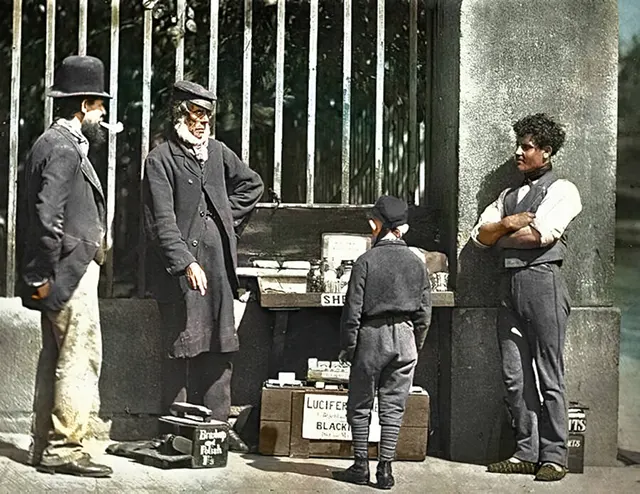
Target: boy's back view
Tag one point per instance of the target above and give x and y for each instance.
(384, 324)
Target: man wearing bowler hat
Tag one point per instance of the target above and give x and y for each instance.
(64, 214)
(197, 193)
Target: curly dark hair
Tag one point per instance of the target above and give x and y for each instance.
(543, 130)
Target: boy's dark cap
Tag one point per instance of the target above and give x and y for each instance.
(192, 91)
(392, 211)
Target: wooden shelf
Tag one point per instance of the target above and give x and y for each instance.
(283, 301)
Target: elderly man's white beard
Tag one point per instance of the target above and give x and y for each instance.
(197, 146)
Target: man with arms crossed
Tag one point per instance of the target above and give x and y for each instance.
(528, 223)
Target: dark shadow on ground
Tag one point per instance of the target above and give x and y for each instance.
(274, 464)
(11, 451)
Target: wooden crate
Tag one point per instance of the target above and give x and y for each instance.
(281, 424)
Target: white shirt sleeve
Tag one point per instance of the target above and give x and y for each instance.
(492, 214)
(557, 209)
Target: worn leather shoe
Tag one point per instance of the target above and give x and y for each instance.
(236, 444)
(551, 472)
(83, 467)
(384, 475)
(513, 465)
(358, 473)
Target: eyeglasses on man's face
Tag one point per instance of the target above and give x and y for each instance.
(197, 112)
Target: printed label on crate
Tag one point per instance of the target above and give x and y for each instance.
(210, 446)
(325, 417)
(332, 299)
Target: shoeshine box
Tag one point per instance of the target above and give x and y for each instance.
(210, 440)
(306, 422)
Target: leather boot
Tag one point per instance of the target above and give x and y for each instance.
(358, 473)
(82, 467)
(236, 444)
(384, 475)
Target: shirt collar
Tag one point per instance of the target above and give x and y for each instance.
(75, 132)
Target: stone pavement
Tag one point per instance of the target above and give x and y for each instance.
(255, 473)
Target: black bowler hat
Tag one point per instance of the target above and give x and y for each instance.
(79, 76)
(392, 211)
(194, 92)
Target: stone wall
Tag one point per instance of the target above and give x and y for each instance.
(514, 59)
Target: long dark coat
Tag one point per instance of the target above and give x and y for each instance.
(62, 215)
(180, 196)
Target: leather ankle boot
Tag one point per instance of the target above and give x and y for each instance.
(384, 475)
(358, 473)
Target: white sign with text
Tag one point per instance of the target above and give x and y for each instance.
(332, 299)
(325, 417)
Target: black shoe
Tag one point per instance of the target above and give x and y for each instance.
(82, 467)
(358, 473)
(384, 475)
(236, 444)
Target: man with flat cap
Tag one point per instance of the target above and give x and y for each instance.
(385, 319)
(64, 223)
(197, 193)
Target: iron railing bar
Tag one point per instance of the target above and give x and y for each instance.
(14, 129)
(246, 80)
(50, 54)
(213, 58)
(279, 104)
(311, 109)
(181, 8)
(144, 141)
(379, 99)
(82, 27)
(111, 156)
(413, 99)
(346, 103)
(315, 205)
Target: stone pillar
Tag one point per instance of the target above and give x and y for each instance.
(496, 61)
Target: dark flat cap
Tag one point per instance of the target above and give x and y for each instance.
(192, 91)
(392, 211)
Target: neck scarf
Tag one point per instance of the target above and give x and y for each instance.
(198, 147)
(534, 175)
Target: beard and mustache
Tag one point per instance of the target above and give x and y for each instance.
(95, 133)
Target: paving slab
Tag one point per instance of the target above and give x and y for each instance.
(255, 473)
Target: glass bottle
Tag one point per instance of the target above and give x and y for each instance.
(345, 270)
(314, 277)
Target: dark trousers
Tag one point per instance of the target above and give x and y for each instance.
(531, 330)
(201, 380)
(383, 364)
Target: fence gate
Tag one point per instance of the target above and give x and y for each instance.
(381, 112)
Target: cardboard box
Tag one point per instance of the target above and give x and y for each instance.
(283, 431)
(210, 440)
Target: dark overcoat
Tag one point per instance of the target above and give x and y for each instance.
(178, 193)
(63, 216)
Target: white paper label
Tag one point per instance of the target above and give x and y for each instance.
(325, 417)
(332, 299)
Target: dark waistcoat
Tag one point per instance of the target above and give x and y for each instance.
(554, 252)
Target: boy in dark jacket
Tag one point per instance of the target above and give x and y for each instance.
(385, 319)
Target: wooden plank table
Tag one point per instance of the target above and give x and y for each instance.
(283, 303)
